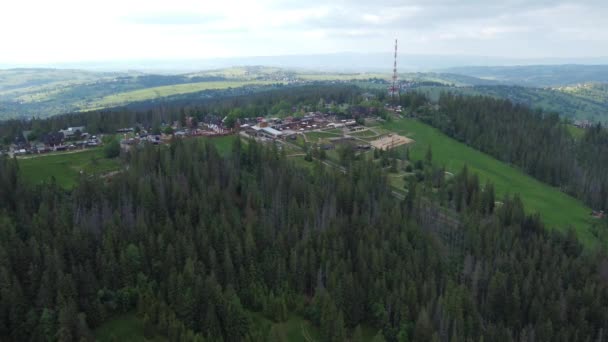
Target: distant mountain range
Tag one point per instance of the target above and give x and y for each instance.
(537, 75)
(325, 62)
(574, 91)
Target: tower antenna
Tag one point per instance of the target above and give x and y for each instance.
(394, 89)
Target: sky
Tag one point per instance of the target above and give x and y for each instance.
(42, 31)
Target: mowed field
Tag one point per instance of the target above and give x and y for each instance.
(164, 91)
(558, 210)
(66, 167)
(341, 77)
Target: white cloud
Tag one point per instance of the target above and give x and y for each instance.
(42, 31)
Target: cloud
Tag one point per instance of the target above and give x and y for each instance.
(177, 18)
(71, 30)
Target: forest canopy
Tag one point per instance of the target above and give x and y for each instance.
(196, 242)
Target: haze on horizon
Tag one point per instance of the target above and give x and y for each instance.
(64, 31)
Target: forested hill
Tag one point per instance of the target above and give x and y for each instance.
(537, 75)
(537, 142)
(196, 242)
(27, 93)
(575, 103)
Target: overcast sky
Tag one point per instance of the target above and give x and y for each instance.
(42, 31)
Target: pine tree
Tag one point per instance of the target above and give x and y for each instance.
(357, 334)
(423, 331)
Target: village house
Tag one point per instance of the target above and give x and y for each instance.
(73, 132)
(583, 123)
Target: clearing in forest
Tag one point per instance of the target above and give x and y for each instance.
(66, 167)
(558, 210)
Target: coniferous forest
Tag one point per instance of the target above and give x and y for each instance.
(196, 242)
(304, 171)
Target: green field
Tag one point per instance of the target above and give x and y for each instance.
(364, 134)
(65, 167)
(337, 131)
(314, 137)
(164, 91)
(576, 132)
(125, 327)
(243, 72)
(222, 144)
(557, 209)
(341, 77)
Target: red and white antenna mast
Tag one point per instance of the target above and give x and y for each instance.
(394, 89)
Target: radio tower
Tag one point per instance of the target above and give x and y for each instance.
(394, 89)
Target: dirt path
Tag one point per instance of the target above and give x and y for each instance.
(110, 174)
(305, 333)
(54, 154)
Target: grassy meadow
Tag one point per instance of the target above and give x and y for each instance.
(222, 144)
(315, 136)
(557, 209)
(65, 167)
(341, 77)
(164, 91)
(576, 132)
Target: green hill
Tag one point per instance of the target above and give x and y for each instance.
(557, 209)
(123, 98)
(575, 103)
(48, 92)
(594, 92)
(537, 75)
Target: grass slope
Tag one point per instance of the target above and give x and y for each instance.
(169, 90)
(315, 136)
(66, 167)
(576, 132)
(558, 210)
(16, 81)
(594, 92)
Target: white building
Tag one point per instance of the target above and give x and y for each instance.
(272, 132)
